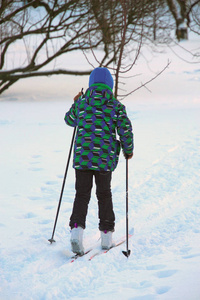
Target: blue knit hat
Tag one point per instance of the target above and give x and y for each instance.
(101, 75)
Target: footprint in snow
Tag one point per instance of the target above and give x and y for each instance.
(145, 297)
(196, 230)
(51, 182)
(45, 222)
(36, 156)
(191, 256)
(49, 207)
(145, 284)
(35, 161)
(30, 215)
(33, 198)
(35, 169)
(162, 290)
(5, 122)
(155, 267)
(166, 273)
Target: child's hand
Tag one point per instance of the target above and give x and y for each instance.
(128, 156)
(77, 96)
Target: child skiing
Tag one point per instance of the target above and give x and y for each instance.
(98, 117)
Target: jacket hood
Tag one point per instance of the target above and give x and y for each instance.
(98, 94)
(101, 75)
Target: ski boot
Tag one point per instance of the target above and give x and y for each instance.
(106, 239)
(77, 240)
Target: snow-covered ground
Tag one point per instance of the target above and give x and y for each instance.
(164, 197)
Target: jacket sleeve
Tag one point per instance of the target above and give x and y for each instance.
(71, 116)
(124, 130)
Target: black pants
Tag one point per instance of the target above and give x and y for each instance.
(84, 182)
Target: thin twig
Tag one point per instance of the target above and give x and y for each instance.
(147, 82)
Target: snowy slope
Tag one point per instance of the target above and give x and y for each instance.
(164, 206)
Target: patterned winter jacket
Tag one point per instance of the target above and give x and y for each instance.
(98, 117)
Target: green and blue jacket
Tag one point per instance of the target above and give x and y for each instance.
(99, 118)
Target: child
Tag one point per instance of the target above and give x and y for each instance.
(98, 116)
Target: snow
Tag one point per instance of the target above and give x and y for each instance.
(164, 206)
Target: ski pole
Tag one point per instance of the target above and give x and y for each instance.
(127, 252)
(51, 240)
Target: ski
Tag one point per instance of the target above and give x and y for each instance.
(120, 242)
(76, 256)
(101, 251)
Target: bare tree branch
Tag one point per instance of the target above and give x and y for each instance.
(147, 82)
(9, 75)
